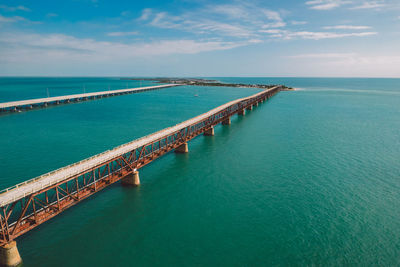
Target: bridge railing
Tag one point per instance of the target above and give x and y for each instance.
(41, 177)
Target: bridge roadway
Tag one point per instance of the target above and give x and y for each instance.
(33, 202)
(28, 187)
(43, 102)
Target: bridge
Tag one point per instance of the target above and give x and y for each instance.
(16, 106)
(33, 202)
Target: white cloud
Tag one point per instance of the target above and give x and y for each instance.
(347, 27)
(275, 17)
(327, 35)
(245, 11)
(231, 20)
(55, 47)
(201, 26)
(295, 22)
(255, 41)
(16, 19)
(232, 11)
(115, 34)
(272, 31)
(14, 8)
(164, 20)
(278, 24)
(272, 15)
(324, 55)
(370, 5)
(326, 4)
(222, 28)
(11, 19)
(146, 13)
(288, 35)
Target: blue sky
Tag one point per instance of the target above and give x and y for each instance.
(313, 38)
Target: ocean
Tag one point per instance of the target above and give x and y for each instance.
(309, 178)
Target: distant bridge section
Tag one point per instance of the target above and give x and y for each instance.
(16, 106)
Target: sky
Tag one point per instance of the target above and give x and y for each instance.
(295, 38)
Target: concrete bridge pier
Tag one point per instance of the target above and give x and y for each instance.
(9, 255)
(182, 148)
(131, 179)
(227, 121)
(241, 112)
(250, 107)
(209, 132)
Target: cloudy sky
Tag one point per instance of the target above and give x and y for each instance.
(324, 38)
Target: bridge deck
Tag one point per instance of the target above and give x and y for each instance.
(21, 190)
(42, 101)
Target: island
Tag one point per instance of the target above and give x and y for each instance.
(205, 82)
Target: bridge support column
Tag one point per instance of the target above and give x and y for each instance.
(209, 132)
(250, 107)
(227, 121)
(131, 179)
(182, 148)
(9, 255)
(241, 112)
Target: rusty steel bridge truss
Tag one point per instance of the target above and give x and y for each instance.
(24, 214)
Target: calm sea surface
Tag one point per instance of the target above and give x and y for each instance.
(311, 177)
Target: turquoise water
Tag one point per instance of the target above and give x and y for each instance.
(13, 88)
(308, 178)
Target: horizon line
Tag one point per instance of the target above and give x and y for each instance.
(179, 77)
